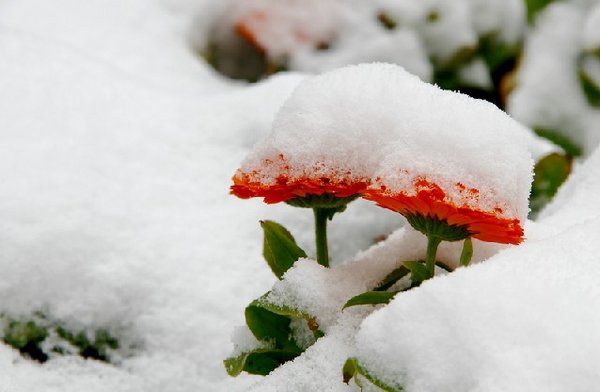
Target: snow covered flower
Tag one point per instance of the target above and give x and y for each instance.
(327, 192)
(430, 210)
(455, 166)
(282, 185)
(426, 203)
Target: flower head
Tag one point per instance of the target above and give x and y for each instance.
(275, 182)
(427, 203)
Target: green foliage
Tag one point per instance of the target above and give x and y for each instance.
(371, 298)
(270, 324)
(279, 248)
(590, 88)
(549, 174)
(500, 59)
(27, 337)
(438, 228)
(467, 252)
(418, 272)
(260, 361)
(392, 278)
(326, 201)
(560, 139)
(40, 338)
(96, 348)
(534, 7)
(362, 377)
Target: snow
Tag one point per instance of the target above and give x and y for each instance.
(103, 170)
(548, 93)
(591, 31)
(118, 146)
(497, 326)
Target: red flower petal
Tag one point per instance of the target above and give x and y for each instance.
(430, 200)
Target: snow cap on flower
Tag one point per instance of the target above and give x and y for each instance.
(418, 149)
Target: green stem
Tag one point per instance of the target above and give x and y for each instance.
(432, 245)
(321, 215)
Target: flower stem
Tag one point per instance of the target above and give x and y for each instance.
(432, 244)
(321, 216)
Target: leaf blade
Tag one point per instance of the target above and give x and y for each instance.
(371, 298)
(279, 248)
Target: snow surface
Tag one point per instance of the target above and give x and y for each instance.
(118, 144)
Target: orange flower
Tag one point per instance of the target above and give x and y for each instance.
(324, 190)
(431, 201)
(284, 186)
(277, 28)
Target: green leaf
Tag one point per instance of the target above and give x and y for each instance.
(262, 302)
(534, 7)
(353, 369)
(418, 271)
(549, 174)
(467, 252)
(371, 298)
(392, 278)
(269, 323)
(269, 326)
(290, 312)
(561, 140)
(496, 53)
(590, 88)
(279, 249)
(260, 361)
